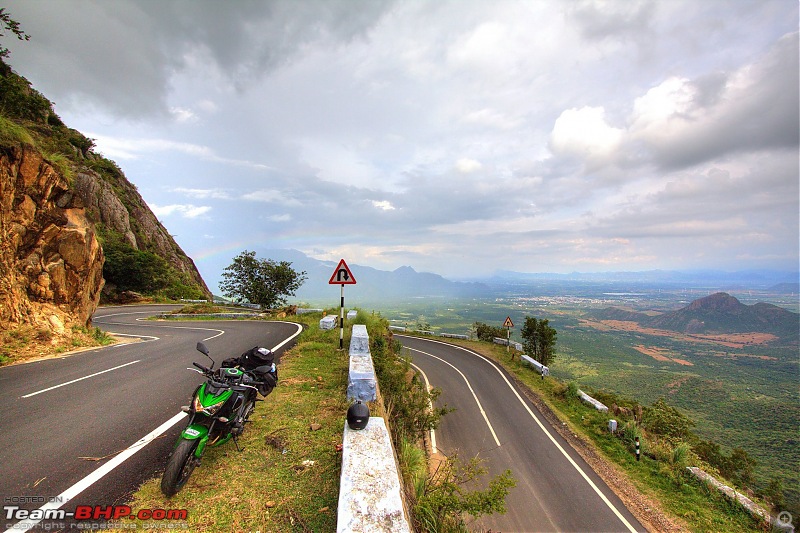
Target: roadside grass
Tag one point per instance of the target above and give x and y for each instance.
(667, 485)
(28, 343)
(287, 477)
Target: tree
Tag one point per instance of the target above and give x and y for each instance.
(487, 333)
(260, 281)
(539, 339)
(7, 23)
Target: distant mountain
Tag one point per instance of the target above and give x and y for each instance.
(717, 313)
(372, 285)
(785, 288)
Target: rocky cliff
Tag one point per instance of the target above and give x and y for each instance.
(61, 205)
(51, 264)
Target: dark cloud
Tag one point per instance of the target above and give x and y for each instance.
(120, 56)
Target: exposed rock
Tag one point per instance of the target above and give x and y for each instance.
(51, 264)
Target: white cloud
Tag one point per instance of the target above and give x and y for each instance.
(585, 134)
(468, 166)
(384, 205)
(182, 114)
(216, 193)
(184, 210)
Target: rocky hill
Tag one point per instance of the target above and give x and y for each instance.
(71, 224)
(717, 313)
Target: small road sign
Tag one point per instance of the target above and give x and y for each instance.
(508, 323)
(342, 275)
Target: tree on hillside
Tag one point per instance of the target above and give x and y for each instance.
(539, 339)
(260, 281)
(485, 332)
(7, 23)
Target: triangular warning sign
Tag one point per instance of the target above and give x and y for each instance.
(508, 323)
(342, 275)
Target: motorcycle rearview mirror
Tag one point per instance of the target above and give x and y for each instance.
(204, 350)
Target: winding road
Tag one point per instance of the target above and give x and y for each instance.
(556, 490)
(89, 428)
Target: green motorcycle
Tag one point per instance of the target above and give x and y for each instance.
(219, 410)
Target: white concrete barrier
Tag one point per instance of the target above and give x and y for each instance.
(370, 494)
(543, 370)
(453, 336)
(361, 380)
(328, 322)
(752, 507)
(370, 491)
(305, 310)
(351, 314)
(591, 401)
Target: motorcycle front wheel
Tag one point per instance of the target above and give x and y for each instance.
(179, 468)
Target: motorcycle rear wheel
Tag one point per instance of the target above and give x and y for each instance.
(180, 466)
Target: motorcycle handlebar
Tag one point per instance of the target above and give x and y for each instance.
(201, 367)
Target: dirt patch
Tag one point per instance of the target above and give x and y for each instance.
(730, 340)
(661, 354)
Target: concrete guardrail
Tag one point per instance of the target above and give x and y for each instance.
(752, 507)
(370, 492)
(591, 401)
(542, 369)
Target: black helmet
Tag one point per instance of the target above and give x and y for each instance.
(358, 415)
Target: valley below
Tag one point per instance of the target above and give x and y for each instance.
(739, 387)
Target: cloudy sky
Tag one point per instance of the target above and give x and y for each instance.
(456, 137)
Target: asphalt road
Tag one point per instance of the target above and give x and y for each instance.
(65, 419)
(556, 490)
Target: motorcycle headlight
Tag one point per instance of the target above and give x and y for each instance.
(208, 410)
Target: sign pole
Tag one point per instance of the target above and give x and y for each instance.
(508, 325)
(342, 276)
(341, 321)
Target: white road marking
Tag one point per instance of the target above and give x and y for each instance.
(549, 435)
(430, 406)
(480, 407)
(79, 379)
(95, 476)
(121, 457)
(298, 332)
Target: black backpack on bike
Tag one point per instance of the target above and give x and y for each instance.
(259, 362)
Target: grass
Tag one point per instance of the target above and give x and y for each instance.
(27, 343)
(11, 132)
(287, 479)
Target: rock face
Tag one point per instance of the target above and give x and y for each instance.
(136, 222)
(51, 264)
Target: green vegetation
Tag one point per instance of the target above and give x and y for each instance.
(539, 339)
(260, 281)
(485, 332)
(129, 269)
(739, 396)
